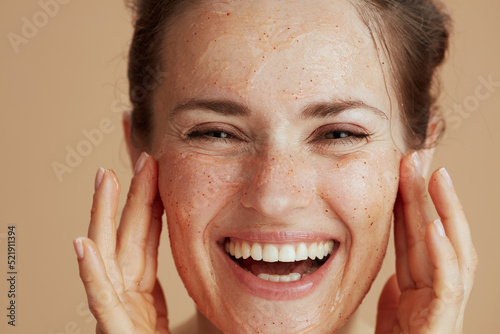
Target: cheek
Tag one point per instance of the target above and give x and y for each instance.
(194, 189)
(361, 190)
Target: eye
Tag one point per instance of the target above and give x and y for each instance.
(217, 138)
(339, 136)
(213, 134)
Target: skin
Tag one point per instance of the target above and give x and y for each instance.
(278, 171)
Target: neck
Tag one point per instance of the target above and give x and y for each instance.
(200, 324)
(197, 324)
(204, 325)
(355, 325)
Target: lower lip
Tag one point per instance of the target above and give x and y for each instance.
(276, 290)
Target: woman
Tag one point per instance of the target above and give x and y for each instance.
(281, 139)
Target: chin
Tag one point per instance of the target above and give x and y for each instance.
(276, 282)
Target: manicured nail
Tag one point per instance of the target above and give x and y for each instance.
(439, 227)
(140, 163)
(417, 163)
(98, 178)
(446, 176)
(127, 114)
(77, 243)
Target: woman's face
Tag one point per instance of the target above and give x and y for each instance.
(276, 143)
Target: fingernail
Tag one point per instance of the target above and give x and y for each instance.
(98, 178)
(446, 176)
(439, 227)
(77, 243)
(417, 163)
(140, 163)
(127, 114)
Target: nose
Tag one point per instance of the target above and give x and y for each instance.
(278, 185)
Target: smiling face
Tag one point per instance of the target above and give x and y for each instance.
(279, 157)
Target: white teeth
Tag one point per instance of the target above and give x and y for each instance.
(237, 250)
(274, 278)
(270, 253)
(263, 276)
(283, 278)
(281, 253)
(287, 254)
(231, 248)
(245, 250)
(313, 250)
(280, 278)
(301, 253)
(329, 247)
(319, 254)
(256, 251)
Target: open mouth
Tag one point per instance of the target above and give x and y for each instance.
(279, 262)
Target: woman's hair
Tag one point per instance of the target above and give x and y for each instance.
(412, 34)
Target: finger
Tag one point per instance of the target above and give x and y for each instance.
(457, 229)
(405, 280)
(102, 228)
(161, 309)
(388, 305)
(102, 298)
(135, 221)
(455, 223)
(417, 215)
(448, 286)
(152, 245)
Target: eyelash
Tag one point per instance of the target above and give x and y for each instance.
(351, 137)
(207, 135)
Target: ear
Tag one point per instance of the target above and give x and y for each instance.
(426, 159)
(434, 131)
(133, 152)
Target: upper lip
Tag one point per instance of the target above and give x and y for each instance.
(279, 236)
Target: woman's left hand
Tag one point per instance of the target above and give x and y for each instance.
(435, 259)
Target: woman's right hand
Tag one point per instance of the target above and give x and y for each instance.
(118, 268)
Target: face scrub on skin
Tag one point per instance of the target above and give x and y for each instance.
(278, 157)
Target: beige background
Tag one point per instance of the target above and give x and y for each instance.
(70, 75)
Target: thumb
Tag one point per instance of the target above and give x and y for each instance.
(161, 309)
(388, 304)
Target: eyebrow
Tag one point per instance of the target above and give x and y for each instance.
(223, 107)
(317, 110)
(322, 110)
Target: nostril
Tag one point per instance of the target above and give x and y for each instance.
(277, 185)
(274, 200)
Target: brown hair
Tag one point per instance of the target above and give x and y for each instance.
(413, 34)
(151, 19)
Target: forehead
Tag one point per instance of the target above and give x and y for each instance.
(292, 50)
